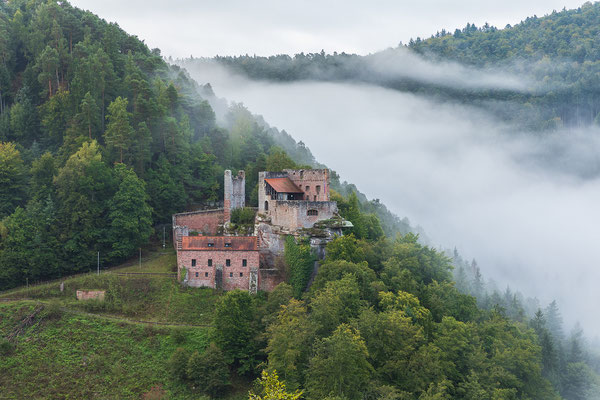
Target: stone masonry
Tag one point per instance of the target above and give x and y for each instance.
(234, 193)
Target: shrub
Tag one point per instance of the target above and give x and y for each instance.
(178, 336)
(243, 216)
(53, 310)
(177, 364)
(6, 347)
(209, 371)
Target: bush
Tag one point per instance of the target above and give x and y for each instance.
(53, 310)
(243, 216)
(6, 347)
(177, 364)
(178, 336)
(209, 371)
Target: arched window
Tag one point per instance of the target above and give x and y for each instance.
(266, 205)
(312, 212)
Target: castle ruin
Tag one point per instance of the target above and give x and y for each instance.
(292, 202)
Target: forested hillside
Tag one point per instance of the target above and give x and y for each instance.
(102, 141)
(557, 55)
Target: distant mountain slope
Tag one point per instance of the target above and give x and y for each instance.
(555, 57)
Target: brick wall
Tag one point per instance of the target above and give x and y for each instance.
(91, 295)
(313, 182)
(231, 275)
(204, 222)
(268, 279)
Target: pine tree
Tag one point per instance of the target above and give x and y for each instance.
(119, 132)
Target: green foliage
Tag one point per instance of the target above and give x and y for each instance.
(129, 214)
(300, 262)
(12, 179)
(274, 389)
(177, 364)
(334, 270)
(423, 263)
(121, 359)
(235, 328)
(339, 366)
(208, 371)
(290, 339)
(243, 216)
(366, 226)
(119, 132)
(337, 303)
(6, 347)
(278, 160)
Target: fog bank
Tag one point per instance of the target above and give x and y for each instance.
(525, 206)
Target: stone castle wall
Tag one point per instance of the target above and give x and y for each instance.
(234, 193)
(204, 222)
(294, 214)
(269, 279)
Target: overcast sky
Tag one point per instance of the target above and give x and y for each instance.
(181, 28)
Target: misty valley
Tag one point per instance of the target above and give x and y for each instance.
(415, 223)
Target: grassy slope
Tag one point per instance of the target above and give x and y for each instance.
(74, 351)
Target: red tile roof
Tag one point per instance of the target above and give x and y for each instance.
(283, 185)
(237, 243)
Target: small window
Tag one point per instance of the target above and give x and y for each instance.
(210, 262)
(231, 274)
(266, 205)
(241, 274)
(227, 244)
(193, 262)
(318, 189)
(312, 212)
(206, 274)
(244, 263)
(308, 189)
(228, 263)
(196, 274)
(211, 245)
(314, 198)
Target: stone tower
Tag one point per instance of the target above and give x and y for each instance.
(235, 193)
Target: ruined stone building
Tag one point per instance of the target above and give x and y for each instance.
(295, 199)
(293, 202)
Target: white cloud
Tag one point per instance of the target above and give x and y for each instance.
(525, 207)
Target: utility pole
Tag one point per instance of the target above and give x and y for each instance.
(98, 263)
(164, 235)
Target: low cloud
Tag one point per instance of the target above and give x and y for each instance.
(525, 206)
(396, 64)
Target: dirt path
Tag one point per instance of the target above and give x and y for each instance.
(111, 317)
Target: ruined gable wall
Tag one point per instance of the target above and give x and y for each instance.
(308, 180)
(234, 192)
